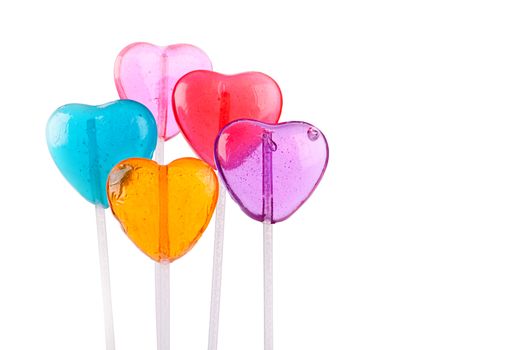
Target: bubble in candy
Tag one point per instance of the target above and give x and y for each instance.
(148, 73)
(164, 209)
(86, 142)
(271, 170)
(204, 102)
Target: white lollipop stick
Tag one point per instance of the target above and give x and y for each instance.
(162, 283)
(162, 287)
(213, 332)
(215, 304)
(268, 284)
(267, 179)
(104, 276)
(103, 255)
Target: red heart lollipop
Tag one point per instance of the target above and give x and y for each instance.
(204, 102)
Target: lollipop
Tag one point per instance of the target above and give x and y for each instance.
(147, 73)
(204, 102)
(164, 209)
(270, 171)
(86, 142)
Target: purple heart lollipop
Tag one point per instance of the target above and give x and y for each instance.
(270, 170)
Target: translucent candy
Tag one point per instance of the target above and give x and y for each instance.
(147, 73)
(86, 142)
(164, 209)
(271, 170)
(204, 102)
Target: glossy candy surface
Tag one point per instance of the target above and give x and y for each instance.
(86, 142)
(204, 102)
(148, 73)
(164, 209)
(271, 170)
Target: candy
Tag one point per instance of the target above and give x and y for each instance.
(270, 170)
(204, 102)
(86, 142)
(147, 73)
(164, 209)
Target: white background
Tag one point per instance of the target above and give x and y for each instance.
(415, 238)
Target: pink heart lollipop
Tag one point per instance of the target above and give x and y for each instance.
(270, 170)
(148, 73)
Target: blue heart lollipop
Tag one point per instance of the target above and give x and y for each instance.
(86, 142)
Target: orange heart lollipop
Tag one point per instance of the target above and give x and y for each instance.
(164, 209)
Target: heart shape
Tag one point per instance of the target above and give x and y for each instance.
(271, 170)
(86, 142)
(164, 209)
(204, 102)
(147, 73)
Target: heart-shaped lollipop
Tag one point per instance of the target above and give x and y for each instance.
(164, 209)
(270, 170)
(86, 142)
(148, 73)
(204, 102)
